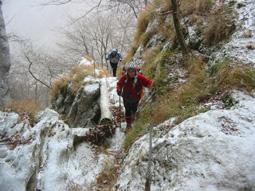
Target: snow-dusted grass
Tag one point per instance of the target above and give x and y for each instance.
(238, 46)
(221, 25)
(189, 98)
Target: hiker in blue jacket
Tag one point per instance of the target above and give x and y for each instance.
(114, 58)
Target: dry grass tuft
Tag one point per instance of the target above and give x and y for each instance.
(220, 26)
(25, 107)
(141, 36)
(189, 7)
(108, 175)
(75, 76)
(234, 76)
(149, 57)
(142, 23)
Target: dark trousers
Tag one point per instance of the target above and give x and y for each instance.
(114, 68)
(130, 107)
(130, 110)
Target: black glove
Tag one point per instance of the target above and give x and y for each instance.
(119, 93)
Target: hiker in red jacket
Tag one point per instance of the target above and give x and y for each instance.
(130, 87)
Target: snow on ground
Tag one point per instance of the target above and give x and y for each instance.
(49, 159)
(87, 61)
(117, 140)
(242, 43)
(213, 151)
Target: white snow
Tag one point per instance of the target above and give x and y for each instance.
(237, 47)
(211, 151)
(50, 161)
(86, 61)
(50, 157)
(91, 88)
(104, 100)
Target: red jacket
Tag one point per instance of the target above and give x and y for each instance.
(132, 90)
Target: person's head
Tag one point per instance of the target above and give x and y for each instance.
(131, 71)
(114, 51)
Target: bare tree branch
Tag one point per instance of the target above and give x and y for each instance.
(30, 71)
(56, 2)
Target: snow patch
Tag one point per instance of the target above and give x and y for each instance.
(242, 43)
(86, 61)
(211, 151)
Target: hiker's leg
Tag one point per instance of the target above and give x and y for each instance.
(114, 69)
(128, 113)
(134, 110)
(112, 66)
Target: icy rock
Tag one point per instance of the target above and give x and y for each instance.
(211, 151)
(81, 109)
(241, 45)
(49, 162)
(86, 61)
(7, 122)
(85, 107)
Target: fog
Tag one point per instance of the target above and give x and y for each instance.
(29, 19)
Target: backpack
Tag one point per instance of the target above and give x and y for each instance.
(114, 59)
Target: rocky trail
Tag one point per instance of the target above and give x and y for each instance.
(77, 143)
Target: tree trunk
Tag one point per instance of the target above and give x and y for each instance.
(145, 2)
(106, 114)
(4, 61)
(178, 28)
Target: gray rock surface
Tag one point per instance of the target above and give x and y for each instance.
(4, 61)
(81, 110)
(213, 151)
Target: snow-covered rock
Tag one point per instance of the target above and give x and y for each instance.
(242, 43)
(87, 61)
(81, 109)
(211, 151)
(49, 161)
(45, 157)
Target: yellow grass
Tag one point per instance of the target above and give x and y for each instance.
(220, 26)
(75, 76)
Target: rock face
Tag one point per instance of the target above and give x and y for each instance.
(48, 160)
(209, 152)
(4, 61)
(43, 157)
(81, 110)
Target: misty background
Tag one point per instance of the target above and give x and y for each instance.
(31, 19)
(47, 37)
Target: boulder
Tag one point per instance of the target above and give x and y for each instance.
(48, 161)
(211, 151)
(82, 109)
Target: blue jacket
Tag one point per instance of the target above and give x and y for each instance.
(114, 57)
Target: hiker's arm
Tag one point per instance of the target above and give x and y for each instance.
(120, 85)
(120, 56)
(146, 82)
